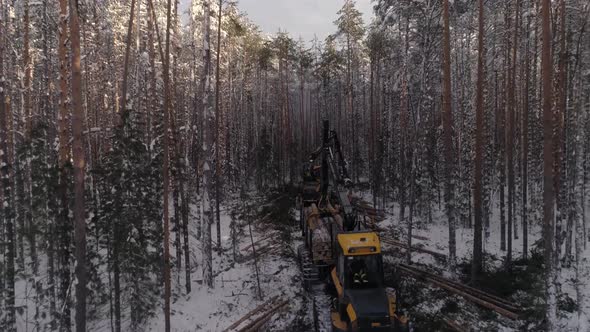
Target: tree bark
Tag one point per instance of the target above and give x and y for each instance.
(79, 168)
(217, 177)
(207, 153)
(8, 223)
(510, 135)
(64, 165)
(525, 146)
(448, 137)
(123, 95)
(477, 229)
(548, 161)
(166, 169)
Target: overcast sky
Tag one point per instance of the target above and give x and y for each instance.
(301, 18)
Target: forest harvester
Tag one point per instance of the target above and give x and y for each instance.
(339, 250)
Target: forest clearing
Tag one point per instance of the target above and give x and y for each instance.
(294, 165)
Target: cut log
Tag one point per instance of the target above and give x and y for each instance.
(416, 249)
(251, 313)
(464, 294)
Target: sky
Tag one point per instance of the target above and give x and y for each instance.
(301, 18)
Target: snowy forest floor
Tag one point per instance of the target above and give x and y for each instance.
(274, 224)
(275, 231)
(276, 234)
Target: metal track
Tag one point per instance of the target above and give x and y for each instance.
(315, 287)
(322, 303)
(311, 273)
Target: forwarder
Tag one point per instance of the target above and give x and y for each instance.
(340, 250)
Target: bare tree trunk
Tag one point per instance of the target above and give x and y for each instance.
(477, 229)
(123, 95)
(561, 154)
(8, 223)
(448, 136)
(185, 216)
(548, 176)
(525, 147)
(208, 154)
(217, 177)
(28, 71)
(79, 165)
(63, 162)
(510, 135)
(166, 169)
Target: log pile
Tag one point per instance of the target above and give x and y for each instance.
(365, 209)
(393, 242)
(256, 318)
(319, 235)
(486, 300)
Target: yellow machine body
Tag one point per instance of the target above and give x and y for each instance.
(358, 244)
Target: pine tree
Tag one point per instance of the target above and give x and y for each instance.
(8, 319)
(478, 192)
(78, 153)
(208, 153)
(448, 125)
(548, 161)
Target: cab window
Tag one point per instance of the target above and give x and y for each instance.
(364, 272)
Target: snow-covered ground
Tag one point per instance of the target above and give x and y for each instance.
(435, 238)
(235, 291)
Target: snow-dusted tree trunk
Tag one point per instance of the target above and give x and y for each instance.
(63, 222)
(166, 169)
(28, 70)
(581, 261)
(448, 138)
(510, 131)
(525, 140)
(9, 315)
(123, 95)
(217, 117)
(548, 161)
(78, 153)
(208, 152)
(479, 132)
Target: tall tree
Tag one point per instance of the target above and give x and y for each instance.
(448, 136)
(8, 224)
(217, 178)
(479, 136)
(79, 168)
(525, 143)
(548, 176)
(27, 70)
(208, 153)
(510, 137)
(128, 43)
(166, 169)
(350, 27)
(64, 165)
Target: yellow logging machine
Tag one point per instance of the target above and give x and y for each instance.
(340, 250)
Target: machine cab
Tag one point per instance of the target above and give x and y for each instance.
(360, 264)
(363, 303)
